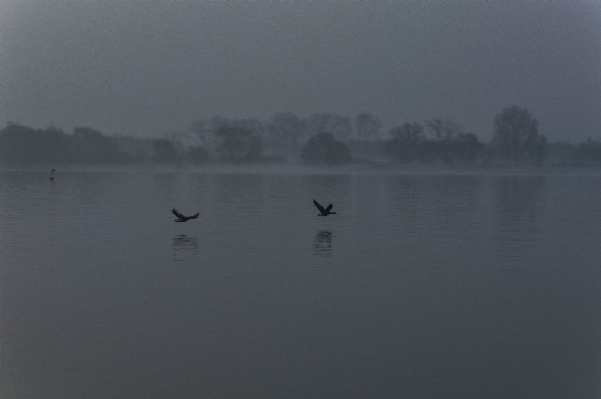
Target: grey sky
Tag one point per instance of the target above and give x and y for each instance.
(152, 67)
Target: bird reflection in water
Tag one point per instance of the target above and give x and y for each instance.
(322, 243)
(184, 247)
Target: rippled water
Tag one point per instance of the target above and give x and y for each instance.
(422, 286)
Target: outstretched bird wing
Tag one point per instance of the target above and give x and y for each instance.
(329, 208)
(176, 213)
(318, 205)
(194, 216)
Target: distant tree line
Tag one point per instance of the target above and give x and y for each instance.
(320, 139)
(516, 139)
(21, 145)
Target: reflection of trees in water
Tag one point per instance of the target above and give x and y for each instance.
(322, 243)
(235, 186)
(519, 207)
(239, 193)
(184, 246)
(330, 186)
(434, 192)
(436, 206)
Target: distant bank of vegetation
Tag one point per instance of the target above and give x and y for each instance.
(320, 139)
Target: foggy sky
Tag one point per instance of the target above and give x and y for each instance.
(147, 68)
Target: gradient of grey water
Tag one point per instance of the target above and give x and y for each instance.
(422, 286)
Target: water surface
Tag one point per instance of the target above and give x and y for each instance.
(422, 286)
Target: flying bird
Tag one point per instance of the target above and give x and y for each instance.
(324, 211)
(182, 218)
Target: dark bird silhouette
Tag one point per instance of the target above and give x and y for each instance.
(182, 218)
(324, 211)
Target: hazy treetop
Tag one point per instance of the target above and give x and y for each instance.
(151, 67)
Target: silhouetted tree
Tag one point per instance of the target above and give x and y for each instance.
(540, 149)
(589, 153)
(54, 145)
(562, 153)
(163, 151)
(443, 129)
(443, 145)
(367, 126)
(206, 130)
(24, 145)
(15, 143)
(516, 136)
(406, 142)
(450, 143)
(323, 149)
(202, 131)
(339, 126)
(254, 126)
(467, 148)
(239, 145)
(91, 146)
(21, 145)
(135, 148)
(197, 154)
(285, 132)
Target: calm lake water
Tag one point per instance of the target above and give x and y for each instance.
(422, 286)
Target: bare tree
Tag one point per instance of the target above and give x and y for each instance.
(443, 129)
(338, 125)
(516, 136)
(285, 132)
(405, 144)
(367, 126)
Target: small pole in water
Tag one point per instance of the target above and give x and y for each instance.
(52, 174)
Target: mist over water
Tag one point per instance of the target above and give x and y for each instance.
(421, 286)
